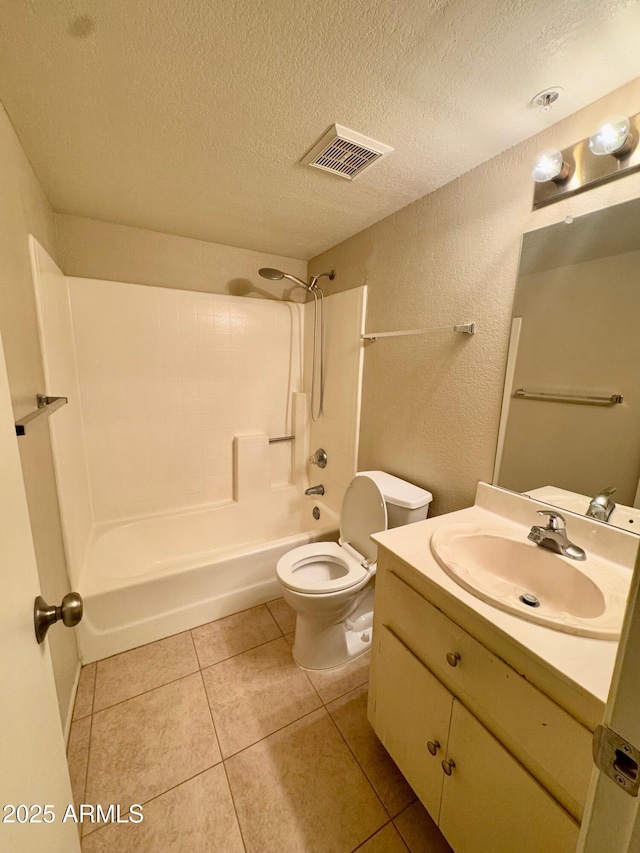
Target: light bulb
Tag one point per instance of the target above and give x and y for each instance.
(612, 137)
(550, 166)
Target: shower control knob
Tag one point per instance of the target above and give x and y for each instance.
(45, 615)
(319, 458)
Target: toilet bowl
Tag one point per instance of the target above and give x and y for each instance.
(330, 585)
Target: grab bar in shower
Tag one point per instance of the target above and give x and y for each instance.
(46, 406)
(282, 438)
(465, 328)
(560, 397)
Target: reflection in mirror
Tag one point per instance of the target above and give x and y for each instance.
(574, 350)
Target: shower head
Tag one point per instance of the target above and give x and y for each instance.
(276, 275)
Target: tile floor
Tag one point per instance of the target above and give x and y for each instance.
(232, 748)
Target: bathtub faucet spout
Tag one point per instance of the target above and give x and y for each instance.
(315, 490)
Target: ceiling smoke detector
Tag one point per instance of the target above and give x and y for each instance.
(345, 152)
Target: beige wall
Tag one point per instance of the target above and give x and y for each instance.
(24, 209)
(431, 404)
(92, 249)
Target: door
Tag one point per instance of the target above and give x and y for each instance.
(33, 767)
(490, 804)
(412, 718)
(611, 821)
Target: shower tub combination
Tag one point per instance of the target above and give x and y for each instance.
(159, 392)
(147, 579)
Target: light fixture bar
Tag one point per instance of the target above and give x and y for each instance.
(588, 170)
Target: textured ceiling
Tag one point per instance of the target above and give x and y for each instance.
(190, 117)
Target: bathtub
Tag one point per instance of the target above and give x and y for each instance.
(146, 579)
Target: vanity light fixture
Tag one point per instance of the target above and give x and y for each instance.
(550, 166)
(613, 137)
(559, 174)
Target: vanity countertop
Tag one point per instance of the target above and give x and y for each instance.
(575, 671)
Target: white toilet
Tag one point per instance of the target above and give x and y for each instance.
(330, 585)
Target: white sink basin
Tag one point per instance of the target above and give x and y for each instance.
(500, 566)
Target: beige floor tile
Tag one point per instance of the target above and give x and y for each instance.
(284, 615)
(350, 715)
(420, 833)
(84, 695)
(290, 638)
(132, 673)
(78, 756)
(196, 817)
(301, 790)
(331, 683)
(146, 745)
(387, 840)
(234, 634)
(256, 693)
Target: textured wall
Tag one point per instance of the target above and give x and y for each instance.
(431, 404)
(23, 210)
(92, 249)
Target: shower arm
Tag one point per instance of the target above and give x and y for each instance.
(313, 282)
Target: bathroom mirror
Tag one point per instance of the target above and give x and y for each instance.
(574, 349)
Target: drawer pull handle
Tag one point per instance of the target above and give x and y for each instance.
(453, 658)
(433, 746)
(448, 766)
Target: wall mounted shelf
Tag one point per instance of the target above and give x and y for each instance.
(464, 328)
(45, 406)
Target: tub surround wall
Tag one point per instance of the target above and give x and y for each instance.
(431, 404)
(24, 209)
(89, 248)
(338, 429)
(167, 380)
(67, 427)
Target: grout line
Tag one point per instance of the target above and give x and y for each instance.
(224, 766)
(244, 651)
(275, 731)
(161, 794)
(144, 692)
(363, 771)
(373, 834)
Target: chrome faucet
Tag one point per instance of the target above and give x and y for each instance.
(315, 490)
(553, 537)
(601, 505)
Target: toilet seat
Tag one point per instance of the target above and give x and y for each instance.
(325, 567)
(310, 568)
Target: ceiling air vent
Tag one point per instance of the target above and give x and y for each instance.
(344, 152)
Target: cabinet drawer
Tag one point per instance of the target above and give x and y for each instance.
(548, 741)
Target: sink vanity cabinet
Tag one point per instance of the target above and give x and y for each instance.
(499, 765)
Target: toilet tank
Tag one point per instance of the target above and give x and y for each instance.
(405, 502)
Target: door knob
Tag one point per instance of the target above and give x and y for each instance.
(45, 615)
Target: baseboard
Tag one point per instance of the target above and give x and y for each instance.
(72, 702)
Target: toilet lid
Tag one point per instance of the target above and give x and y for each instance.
(364, 512)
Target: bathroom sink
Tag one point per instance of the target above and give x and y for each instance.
(500, 566)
